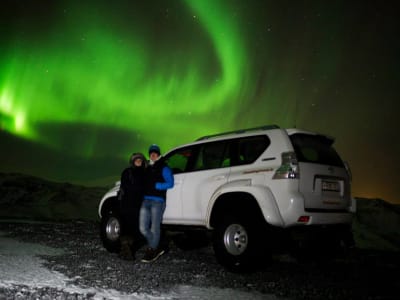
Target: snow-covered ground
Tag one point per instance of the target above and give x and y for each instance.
(21, 265)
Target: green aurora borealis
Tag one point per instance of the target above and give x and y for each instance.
(105, 76)
(85, 83)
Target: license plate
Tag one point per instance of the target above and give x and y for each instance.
(330, 186)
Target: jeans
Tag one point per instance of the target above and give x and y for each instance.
(151, 214)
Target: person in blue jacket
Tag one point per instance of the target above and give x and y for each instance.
(158, 179)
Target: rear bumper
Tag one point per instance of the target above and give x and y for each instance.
(321, 219)
(293, 209)
(330, 218)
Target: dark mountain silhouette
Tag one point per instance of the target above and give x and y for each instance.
(28, 197)
(376, 224)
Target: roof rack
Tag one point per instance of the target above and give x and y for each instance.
(265, 127)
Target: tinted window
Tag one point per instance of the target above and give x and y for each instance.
(178, 161)
(229, 153)
(250, 148)
(219, 154)
(211, 156)
(315, 149)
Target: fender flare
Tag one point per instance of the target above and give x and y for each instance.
(111, 195)
(262, 196)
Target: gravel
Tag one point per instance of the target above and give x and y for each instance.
(360, 274)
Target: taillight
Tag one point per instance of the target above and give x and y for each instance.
(303, 219)
(289, 169)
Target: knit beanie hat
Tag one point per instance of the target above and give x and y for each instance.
(155, 148)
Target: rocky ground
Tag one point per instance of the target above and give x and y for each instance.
(360, 274)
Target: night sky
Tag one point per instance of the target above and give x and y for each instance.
(83, 84)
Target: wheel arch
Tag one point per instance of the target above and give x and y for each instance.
(235, 202)
(109, 200)
(108, 205)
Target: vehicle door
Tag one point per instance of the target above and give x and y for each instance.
(210, 170)
(178, 160)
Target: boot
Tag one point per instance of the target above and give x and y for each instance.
(126, 245)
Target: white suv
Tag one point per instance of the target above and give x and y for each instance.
(251, 188)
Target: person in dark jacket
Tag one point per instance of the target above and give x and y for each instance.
(159, 179)
(130, 199)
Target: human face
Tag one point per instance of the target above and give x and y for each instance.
(154, 156)
(138, 162)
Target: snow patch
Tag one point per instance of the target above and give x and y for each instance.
(21, 265)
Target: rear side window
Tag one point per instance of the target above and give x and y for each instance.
(250, 148)
(315, 149)
(211, 156)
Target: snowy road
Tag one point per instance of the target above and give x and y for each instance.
(67, 261)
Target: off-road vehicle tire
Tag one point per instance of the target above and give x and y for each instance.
(237, 244)
(110, 232)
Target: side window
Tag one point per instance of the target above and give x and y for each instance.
(178, 160)
(219, 154)
(250, 148)
(211, 156)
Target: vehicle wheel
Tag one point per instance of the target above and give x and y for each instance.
(237, 243)
(110, 232)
